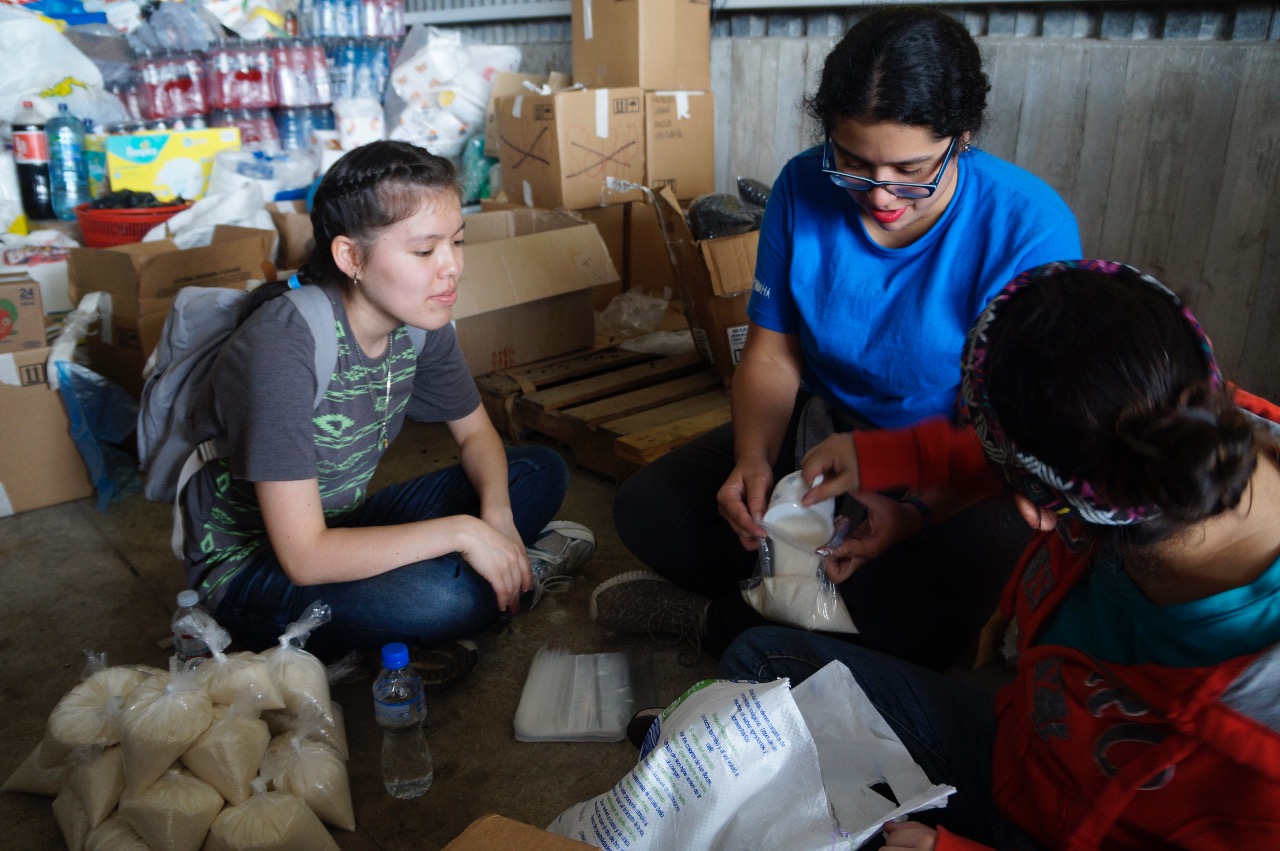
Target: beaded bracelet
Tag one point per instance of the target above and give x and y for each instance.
(926, 513)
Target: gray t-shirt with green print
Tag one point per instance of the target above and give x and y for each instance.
(261, 398)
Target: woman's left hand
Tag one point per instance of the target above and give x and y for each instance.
(888, 522)
(910, 834)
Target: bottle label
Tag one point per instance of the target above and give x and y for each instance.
(391, 713)
(30, 147)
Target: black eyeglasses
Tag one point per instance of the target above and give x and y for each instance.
(866, 184)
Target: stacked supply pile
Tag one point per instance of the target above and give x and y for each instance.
(222, 755)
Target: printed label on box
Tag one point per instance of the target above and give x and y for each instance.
(32, 374)
(626, 106)
(737, 337)
(544, 112)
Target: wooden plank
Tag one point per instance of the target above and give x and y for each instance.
(644, 447)
(613, 382)
(558, 370)
(712, 400)
(643, 398)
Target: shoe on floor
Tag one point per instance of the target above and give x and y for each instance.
(640, 602)
(562, 548)
(443, 667)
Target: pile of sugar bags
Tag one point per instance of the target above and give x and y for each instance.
(242, 751)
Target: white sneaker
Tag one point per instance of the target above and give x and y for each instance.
(562, 548)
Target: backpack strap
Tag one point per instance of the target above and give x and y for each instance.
(313, 303)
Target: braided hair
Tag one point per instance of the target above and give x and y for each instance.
(370, 188)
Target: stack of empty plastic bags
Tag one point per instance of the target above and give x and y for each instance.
(242, 751)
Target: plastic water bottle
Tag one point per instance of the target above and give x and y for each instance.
(399, 707)
(31, 155)
(67, 168)
(185, 645)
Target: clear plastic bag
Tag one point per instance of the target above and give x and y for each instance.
(790, 585)
(303, 766)
(173, 812)
(228, 678)
(301, 677)
(228, 754)
(164, 716)
(268, 821)
(90, 714)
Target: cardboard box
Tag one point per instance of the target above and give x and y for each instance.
(141, 280)
(653, 44)
(167, 163)
(715, 278)
(556, 150)
(293, 224)
(638, 248)
(40, 464)
(507, 83)
(21, 313)
(496, 833)
(526, 289)
(680, 139)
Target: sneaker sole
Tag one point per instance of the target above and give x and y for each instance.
(620, 579)
(569, 529)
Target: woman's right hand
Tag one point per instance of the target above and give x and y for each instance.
(500, 560)
(743, 499)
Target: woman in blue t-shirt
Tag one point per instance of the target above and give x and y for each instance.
(879, 247)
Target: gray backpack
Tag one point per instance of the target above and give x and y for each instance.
(170, 450)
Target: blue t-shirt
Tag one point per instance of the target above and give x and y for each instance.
(881, 329)
(1108, 617)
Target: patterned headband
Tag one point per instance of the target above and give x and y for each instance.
(1027, 474)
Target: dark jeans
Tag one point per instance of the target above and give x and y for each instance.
(924, 600)
(947, 726)
(421, 604)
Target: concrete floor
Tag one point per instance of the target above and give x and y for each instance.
(75, 578)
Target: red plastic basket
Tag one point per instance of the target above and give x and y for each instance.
(105, 228)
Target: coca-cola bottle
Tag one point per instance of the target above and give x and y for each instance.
(31, 154)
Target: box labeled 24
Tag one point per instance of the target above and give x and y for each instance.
(21, 314)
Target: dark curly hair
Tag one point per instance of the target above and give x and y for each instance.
(909, 65)
(1102, 378)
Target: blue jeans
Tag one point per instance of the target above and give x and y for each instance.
(421, 604)
(948, 726)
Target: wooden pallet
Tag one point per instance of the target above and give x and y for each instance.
(616, 410)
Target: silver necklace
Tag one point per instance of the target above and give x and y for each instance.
(386, 399)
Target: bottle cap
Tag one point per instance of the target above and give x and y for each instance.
(188, 598)
(394, 656)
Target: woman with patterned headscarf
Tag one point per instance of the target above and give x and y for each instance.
(1143, 618)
